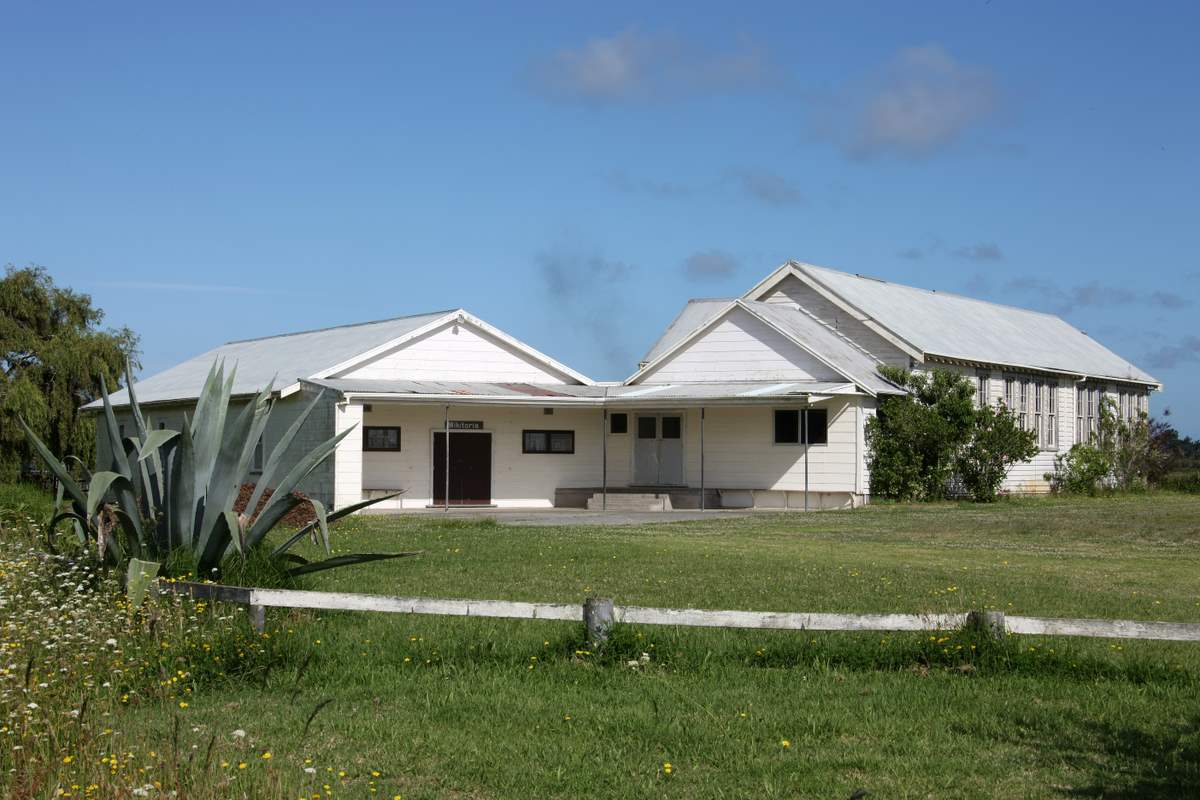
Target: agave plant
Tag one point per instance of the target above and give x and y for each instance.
(165, 489)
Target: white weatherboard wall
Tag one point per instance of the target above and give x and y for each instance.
(792, 291)
(740, 348)
(348, 457)
(455, 352)
(740, 450)
(519, 480)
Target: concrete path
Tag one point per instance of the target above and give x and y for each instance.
(568, 516)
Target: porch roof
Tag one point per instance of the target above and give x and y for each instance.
(464, 392)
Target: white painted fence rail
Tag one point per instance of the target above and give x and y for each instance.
(599, 614)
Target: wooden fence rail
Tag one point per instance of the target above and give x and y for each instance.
(600, 614)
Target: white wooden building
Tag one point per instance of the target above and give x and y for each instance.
(755, 401)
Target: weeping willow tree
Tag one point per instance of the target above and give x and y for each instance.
(54, 353)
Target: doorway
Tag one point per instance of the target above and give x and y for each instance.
(658, 450)
(470, 468)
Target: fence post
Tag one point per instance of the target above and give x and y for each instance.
(598, 618)
(258, 618)
(989, 622)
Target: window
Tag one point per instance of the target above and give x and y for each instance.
(618, 423)
(787, 426)
(1039, 390)
(647, 427)
(1080, 391)
(553, 442)
(983, 389)
(1023, 406)
(791, 425)
(1088, 398)
(671, 427)
(256, 463)
(381, 437)
(1010, 394)
(1052, 416)
(120, 431)
(816, 423)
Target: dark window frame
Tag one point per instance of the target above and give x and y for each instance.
(549, 434)
(365, 441)
(612, 423)
(803, 416)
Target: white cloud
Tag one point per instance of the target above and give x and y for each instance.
(631, 66)
(710, 264)
(919, 104)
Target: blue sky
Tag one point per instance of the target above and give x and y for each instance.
(574, 175)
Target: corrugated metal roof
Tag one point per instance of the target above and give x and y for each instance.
(745, 391)
(524, 391)
(548, 394)
(285, 358)
(839, 352)
(693, 315)
(966, 329)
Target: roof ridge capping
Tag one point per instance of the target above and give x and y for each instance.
(441, 313)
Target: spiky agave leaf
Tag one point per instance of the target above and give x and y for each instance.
(344, 561)
(274, 510)
(275, 459)
(57, 467)
(225, 480)
(208, 426)
(182, 518)
(332, 517)
(125, 494)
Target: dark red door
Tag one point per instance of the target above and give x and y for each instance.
(470, 469)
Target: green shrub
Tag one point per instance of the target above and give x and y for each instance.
(1121, 456)
(997, 442)
(933, 442)
(1084, 469)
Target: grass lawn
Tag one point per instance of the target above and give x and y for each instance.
(446, 707)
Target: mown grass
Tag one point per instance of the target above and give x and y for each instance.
(444, 707)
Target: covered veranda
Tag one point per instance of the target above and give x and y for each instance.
(446, 445)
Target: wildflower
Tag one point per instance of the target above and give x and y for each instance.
(785, 744)
(239, 733)
(183, 704)
(241, 765)
(667, 768)
(266, 756)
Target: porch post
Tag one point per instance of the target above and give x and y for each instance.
(702, 458)
(604, 461)
(446, 496)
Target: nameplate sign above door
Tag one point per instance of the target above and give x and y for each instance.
(466, 425)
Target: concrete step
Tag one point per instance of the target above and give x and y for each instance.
(626, 501)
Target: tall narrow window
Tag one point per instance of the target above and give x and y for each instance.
(1052, 416)
(982, 389)
(1023, 406)
(1039, 389)
(1080, 399)
(1010, 393)
(256, 464)
(1092, 405)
